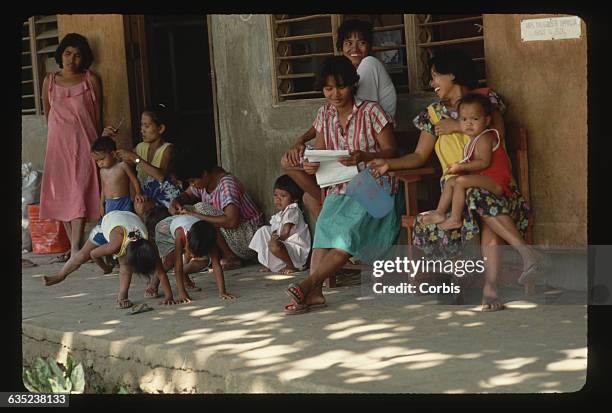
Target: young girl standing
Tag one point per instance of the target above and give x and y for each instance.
(344, 227)
(151, 157)
(283, 246)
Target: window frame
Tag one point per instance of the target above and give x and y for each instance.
(414, 48)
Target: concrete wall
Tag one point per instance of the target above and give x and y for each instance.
(545, 85)
(105, 34)
(253, 131)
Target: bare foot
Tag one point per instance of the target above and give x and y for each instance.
(107, 269)
(265, 269)
(231, 263)
(151, 292)
(450, 224)
(314, 298)
(190, 285)
(53, 280)
(433, 217)
(288, 270)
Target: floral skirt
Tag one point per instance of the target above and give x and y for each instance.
(161, 192)
(438, 243)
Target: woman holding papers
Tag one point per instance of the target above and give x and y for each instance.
(344, 228)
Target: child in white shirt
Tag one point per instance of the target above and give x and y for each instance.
(284, 245)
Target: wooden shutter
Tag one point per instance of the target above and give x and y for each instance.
(432, 32)
(300, 43)
(39, 41)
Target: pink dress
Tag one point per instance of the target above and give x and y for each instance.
(70, 187)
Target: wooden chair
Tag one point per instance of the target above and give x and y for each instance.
(516, 145)
(429, 173)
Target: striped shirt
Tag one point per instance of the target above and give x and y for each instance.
(231, 191)
(363, 126)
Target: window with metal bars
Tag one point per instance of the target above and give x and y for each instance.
(39, 40)
(402, 42)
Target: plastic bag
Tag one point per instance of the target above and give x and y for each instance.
(48, 235)
(373, 197)
(30, 194)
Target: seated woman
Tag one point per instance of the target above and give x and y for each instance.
(151, 157)
(355, 42)
(344, 227)
(454, 76)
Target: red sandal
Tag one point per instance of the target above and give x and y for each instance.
(295, 293)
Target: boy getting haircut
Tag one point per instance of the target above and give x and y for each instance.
(103, 144)
(201, 238)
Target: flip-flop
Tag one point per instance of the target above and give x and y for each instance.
(491, 304)
(151, 293)
(191, 286)
(294, 309)
(295, 293)
(140, 308)
(124, 300)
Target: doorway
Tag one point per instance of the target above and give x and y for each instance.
(172, 66)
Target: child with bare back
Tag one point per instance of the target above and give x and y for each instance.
(116, 177)
(485, 165)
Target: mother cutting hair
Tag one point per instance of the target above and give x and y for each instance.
(496, 218)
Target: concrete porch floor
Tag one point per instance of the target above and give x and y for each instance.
(248, 345)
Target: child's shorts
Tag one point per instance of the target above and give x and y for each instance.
(96, 236)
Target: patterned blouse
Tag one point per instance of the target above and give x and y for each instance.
(422, 121)
(364, 124)
(231, 191)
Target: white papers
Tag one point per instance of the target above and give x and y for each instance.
(330, 172)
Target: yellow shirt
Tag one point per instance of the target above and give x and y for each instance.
(449, 148)
(142, 150)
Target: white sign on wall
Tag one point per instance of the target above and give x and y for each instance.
(552, 28)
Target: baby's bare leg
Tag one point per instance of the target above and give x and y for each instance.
(73, 264)
(439, 215)
(461, 184)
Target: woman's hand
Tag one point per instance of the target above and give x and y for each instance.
(378, 167)
(291, 158)
(110, 131)
(311, 167)
(126, 155)
(447, 125)
(454, 168)
(140, 198)
(354, 158)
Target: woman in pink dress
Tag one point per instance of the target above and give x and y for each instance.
(72, 99)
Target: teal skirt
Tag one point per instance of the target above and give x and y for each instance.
(344, 224)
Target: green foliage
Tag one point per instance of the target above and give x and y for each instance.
(49, 376)
(122, 390)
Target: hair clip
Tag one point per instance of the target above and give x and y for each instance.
(161, 105)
